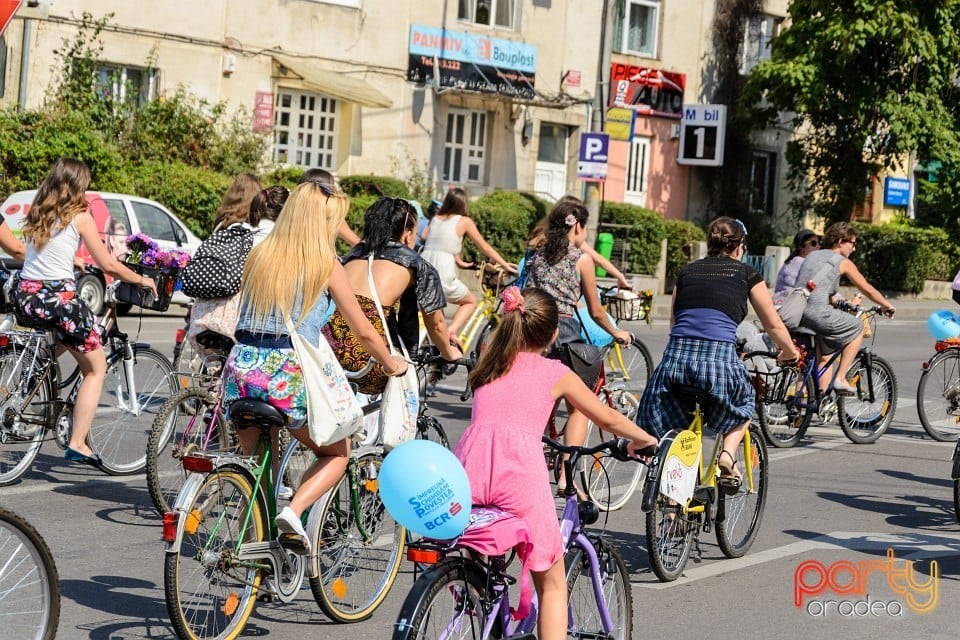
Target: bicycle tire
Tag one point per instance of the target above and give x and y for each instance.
(737, 527)
(783, 424)
(938, 396)
(429, 428)
(207, 596)
(297, 458)
(117, 435)
(355, 575)
(609, 482)
(584, 616)
(181, 427)
(447, 600)
(669, 527)
(484, 335)
(863, 421)
(22, 429)
(632, 367)
(956, 500)
(28, 579)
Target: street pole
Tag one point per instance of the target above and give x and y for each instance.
(591, 197)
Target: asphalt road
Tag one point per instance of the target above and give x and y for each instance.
(829, 502)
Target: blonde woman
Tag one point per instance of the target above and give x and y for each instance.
(56, 224)
(294, 269)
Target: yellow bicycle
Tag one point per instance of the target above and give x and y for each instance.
(682, 498)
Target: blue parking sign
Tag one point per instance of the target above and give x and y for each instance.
(592, 160)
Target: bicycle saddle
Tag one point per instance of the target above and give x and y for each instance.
(246, 413)
(212, 340)
(689, 393)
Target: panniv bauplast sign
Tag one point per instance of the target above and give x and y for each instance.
(461, 60)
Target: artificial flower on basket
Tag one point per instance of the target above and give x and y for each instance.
(646, 303)
(143, 251)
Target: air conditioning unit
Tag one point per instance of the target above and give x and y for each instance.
(38, 9)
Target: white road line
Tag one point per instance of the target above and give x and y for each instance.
(905, 545)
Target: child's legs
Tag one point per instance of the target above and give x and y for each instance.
(574, 434)
(93, 366)
(551, 586)
(466, 306)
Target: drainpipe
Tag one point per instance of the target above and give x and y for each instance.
(591, 197)
(25, 62)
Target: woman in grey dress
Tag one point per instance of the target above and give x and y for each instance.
(836, 329)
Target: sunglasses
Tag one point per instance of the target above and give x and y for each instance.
(853, 242)
(812, 243)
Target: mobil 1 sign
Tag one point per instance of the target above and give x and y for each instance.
(592, 161)
(702, 131)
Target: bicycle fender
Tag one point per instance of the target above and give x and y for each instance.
(418, 592)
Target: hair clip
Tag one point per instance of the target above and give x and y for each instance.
(512, 300)
(570, 220)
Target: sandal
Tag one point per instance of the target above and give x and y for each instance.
(730, 478)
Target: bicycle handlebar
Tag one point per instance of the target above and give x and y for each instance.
(617, 448)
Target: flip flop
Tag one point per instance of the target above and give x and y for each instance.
(730, 479)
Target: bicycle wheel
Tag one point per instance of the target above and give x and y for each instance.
(297, 458)
(23, 420)
(447, 601)
(938, 396)
(630, 365)
(429, 428)
(360, 546)
(119, 434)
(670, 527)
(610, 482)
(29, 584)
(185, 424)
(209, 592)
(863, 420)
(956, 500)
(785, 422)
(484, 336)
(739, 515)
(584, 618)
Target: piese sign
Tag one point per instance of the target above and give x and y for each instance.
(648, 91)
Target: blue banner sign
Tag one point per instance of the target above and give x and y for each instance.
(896, 192)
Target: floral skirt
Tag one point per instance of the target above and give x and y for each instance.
(271, 375)
(55, 306)
(350, 352)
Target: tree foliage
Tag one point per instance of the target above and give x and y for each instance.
(863, 83)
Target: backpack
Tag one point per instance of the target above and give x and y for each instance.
(216, 267)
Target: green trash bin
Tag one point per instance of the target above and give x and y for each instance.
(604, 248)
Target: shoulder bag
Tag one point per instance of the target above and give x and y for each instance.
(401, 397)
(217, 266)
(795, 302)
(333, 411)
(583, 357)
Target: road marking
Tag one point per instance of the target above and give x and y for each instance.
(907, 545)
(29, 486)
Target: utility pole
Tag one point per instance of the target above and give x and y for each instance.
(591, 198)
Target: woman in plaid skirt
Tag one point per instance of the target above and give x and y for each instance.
(709, 301)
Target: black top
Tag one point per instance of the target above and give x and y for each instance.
(425, 293)
(716, 282)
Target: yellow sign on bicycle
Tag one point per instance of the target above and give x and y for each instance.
(681, 466)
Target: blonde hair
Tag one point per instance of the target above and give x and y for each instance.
(59, 200)
(236, 202)
(293, 264)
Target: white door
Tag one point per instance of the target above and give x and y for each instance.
(551, 172)
(638, 166)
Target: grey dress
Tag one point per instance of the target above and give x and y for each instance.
(833, 327)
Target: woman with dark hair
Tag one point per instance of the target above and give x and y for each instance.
(236, 202)
(266, 206)
(405, 284)
(709, 301)
(804, 243)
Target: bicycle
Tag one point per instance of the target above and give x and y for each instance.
(29, 584)
(938, 392)
(222, 541)
(955, 476)
(682, 498)
(864, 416)
(485, 318)
(630, 364)
(138, 382)
(466, 595)
(192, 420)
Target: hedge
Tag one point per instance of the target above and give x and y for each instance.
(505, 219)
(371, 185)
(680, 233)
(897, 258)
(646, 230)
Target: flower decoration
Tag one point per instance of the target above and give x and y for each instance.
(570, 220)
(143, 251)
(646, 303)
(512, 300)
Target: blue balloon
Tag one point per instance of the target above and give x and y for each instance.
(425, 488)
(943, 324)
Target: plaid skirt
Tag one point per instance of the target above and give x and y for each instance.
(708, 364)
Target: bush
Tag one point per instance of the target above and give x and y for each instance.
(358, 207)
(680, 233)
(643, 234)
(898, 258)
(193, 194)
(371, 185)
(505, 219)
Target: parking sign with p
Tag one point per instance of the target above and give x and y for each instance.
(592, 161)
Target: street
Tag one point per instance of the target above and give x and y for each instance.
(829, 501)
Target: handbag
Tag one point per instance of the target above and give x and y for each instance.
(400, 403)
(217, 265)
(333, 411)
(583, 357)
(216, 314)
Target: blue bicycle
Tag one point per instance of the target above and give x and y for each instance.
(465, 594)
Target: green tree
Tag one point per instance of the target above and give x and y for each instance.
(863, 84)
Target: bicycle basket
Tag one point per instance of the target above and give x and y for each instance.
(774, 385)
(632, 308)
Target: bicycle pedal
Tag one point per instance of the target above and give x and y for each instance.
(704, 494)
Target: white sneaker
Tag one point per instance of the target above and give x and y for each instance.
(284, 492)
(292, 534)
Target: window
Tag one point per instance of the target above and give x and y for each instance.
(635, 27)
(463, 148)
(638, 162)
(758, 32)
(553, 143)
(305, 130)
(154, 222)
(762, 183)
(490, 13)
(132, 85)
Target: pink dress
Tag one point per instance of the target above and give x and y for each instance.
(503, 455)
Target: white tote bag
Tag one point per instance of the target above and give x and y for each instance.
(401, 397)
(333, 411)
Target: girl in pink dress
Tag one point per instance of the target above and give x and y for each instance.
(515, 390)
